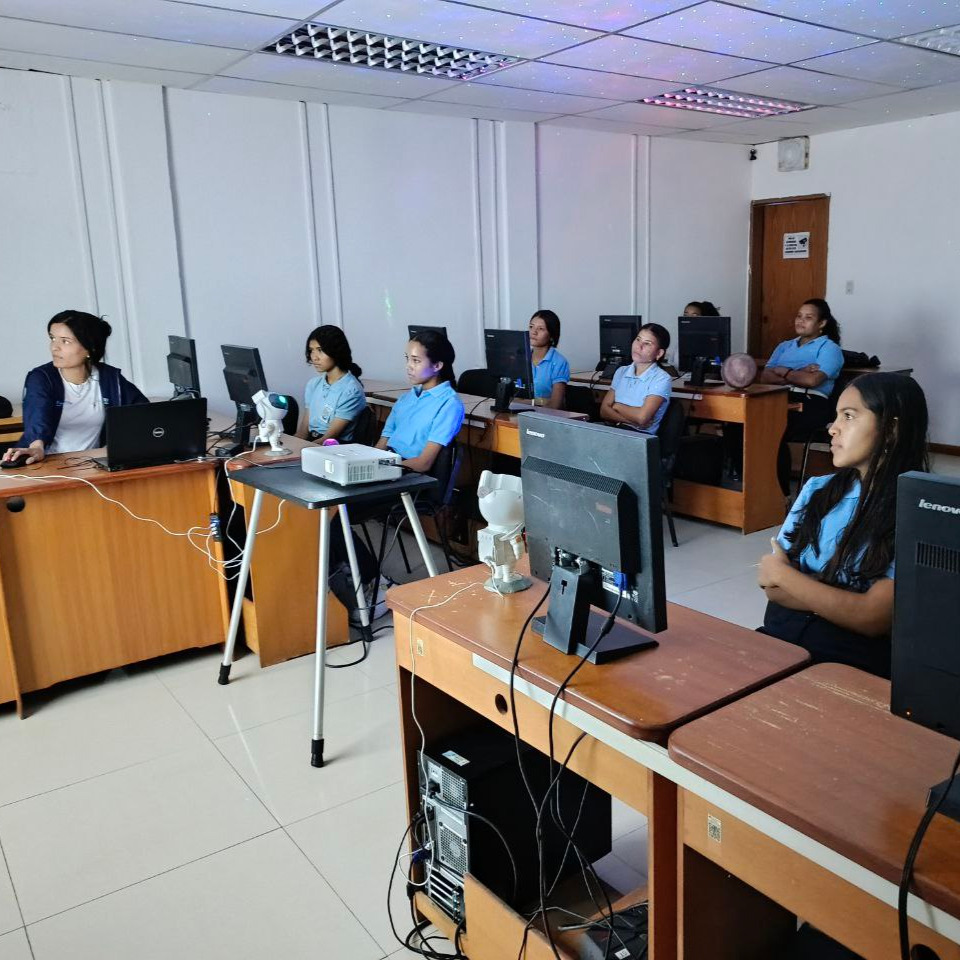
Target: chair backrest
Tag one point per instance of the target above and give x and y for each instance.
(480, 383)
(291, 419)
(670, 433)
(365, 427)
(444, 470)
(6, 407)
(581, 400)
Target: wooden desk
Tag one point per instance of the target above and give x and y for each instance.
(833, 787)
(457, 657)
(762, 409)
(85, 588)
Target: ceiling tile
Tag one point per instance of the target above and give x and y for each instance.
(656, 60)
(891, 63)
(155, 18)
(439, 22)
(596, 14)
(327, 76)
(556, 79)
(514, 99)
(660, 116)
(910, 103)
(745, 33)
(295, 9)
(886, 19)
(611, 126)
(82, 44)
(806, 86)
(282, 91)
(715, 135)
(95, 70)
(469, 111)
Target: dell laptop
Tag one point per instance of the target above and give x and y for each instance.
(148, 434)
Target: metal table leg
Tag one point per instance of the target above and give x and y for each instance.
(355, 575)
(237, 612)
(418, 533)
(323, 575)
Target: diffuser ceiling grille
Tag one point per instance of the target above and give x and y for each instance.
(329, 44)
(725, 102)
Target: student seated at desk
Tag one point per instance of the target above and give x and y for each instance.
(425, 420)
(64, 400)
(808, 365)
(640, 391)
(551, 371)
(700, 308)
(334, 398)
(829, 580)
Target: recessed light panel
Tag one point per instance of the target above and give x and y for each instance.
(330, 44)
(725, 102)
(944, 40)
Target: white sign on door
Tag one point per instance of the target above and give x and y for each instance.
(796, 246)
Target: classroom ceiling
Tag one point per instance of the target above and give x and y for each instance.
(582, 63)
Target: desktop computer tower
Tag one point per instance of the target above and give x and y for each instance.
(925, 667)
(471, 780)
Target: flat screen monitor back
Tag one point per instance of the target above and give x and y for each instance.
(182, 366)
(243, 373)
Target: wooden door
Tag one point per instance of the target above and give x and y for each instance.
(780, 278)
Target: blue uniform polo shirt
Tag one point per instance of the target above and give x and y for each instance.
(821, 351)
(632, 389)
(553, 368)
(832, 528)
(343, 400)
(424, 416)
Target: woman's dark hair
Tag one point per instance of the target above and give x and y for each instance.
(333, 342)
(91, 332)
(552, 323)
(439, 349)
(662, 335)
(832, 327)
(867, 542)
(706, 308)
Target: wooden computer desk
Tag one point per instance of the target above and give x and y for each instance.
(457, 658)
(84, 587)
(817, 789)
(762, 409)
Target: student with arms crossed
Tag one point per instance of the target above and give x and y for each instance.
(829, 579)
(640, 391)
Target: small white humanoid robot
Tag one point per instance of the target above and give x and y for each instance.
(500, 545)
(272, 408)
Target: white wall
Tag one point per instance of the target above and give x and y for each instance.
(894, 198)
(251, 221)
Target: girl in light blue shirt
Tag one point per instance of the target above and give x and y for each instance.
(829, 579)
(334, 398)
(551, 371)
(640, 391)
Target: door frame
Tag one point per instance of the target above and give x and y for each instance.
(757, 208)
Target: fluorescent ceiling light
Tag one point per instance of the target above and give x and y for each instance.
(320, 41)
(725, 102)
(944, 40)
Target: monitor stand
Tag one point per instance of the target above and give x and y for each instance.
(570, 620)
(246, 417)
(608, 366)
(504, 394)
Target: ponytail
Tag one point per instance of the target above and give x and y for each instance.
(439, 350)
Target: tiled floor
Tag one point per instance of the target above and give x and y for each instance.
(155, 814)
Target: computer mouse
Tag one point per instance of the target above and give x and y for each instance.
(18, 461)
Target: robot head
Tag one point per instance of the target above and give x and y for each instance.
(500, 498)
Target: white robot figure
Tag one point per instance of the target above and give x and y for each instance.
(272, 408)
(500, 545)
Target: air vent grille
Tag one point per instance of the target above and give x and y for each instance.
(358, 48)
(573, 475)
(937, 557)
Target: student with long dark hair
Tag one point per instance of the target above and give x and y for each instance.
(425, 420)
(64, 401)
(640, 391)
(700, 308)
(551, 371)
(829, 580)
(334, 398)
(809, 364)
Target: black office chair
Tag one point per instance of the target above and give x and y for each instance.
(6, 408)
(581, 400)
(670, 433)
(365, 427)
(291, 419)
(819, 434)
(480, 383)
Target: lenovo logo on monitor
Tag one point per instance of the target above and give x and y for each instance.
(939, 507)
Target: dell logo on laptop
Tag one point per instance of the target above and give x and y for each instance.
(158, 432)
(939, 507)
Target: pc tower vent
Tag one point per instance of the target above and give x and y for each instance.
(453, 850)
(453, 790)
(937, 557)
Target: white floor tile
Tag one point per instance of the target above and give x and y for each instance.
(256, 900)
(68, 846)
(81, 733)
(623, 878)
(632, 849)
(10, 917)
(381, 663)
(14, 946)
(354, 847)
(362, 755)
(737, 600)
(625, 818)
(255, 696)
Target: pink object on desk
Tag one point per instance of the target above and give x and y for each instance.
(331, 442)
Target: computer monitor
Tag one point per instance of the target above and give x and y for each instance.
(182, 367)
(925, 656)
(509, 360)
(702, 338)
(605, 545)
(617, 334)
(415, 328)
(243, 373)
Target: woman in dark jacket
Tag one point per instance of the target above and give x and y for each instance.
(64, 400)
